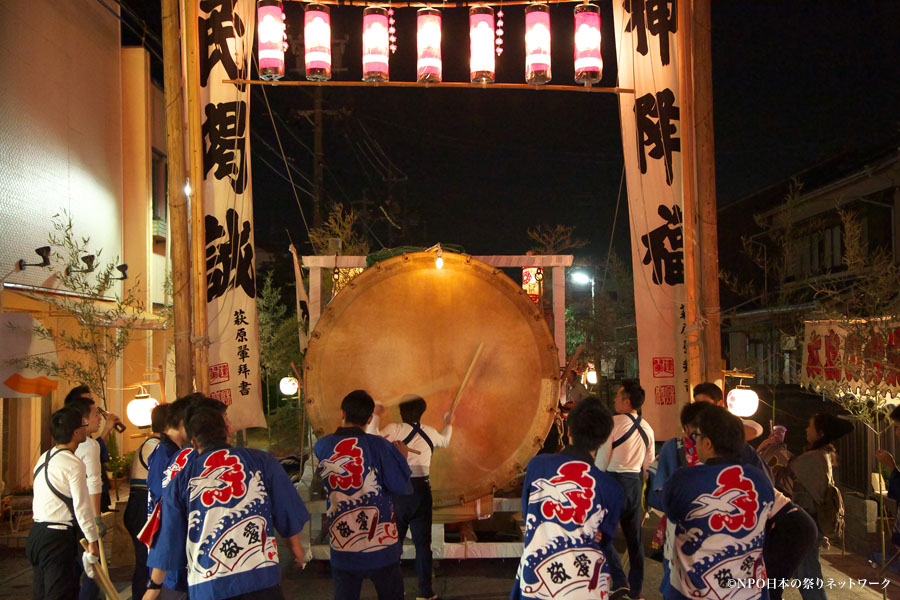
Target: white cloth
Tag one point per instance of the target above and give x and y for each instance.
(138, 470)
(631, 456)
(89, 560)
(89, 453)
(419, 464)
(67, 474)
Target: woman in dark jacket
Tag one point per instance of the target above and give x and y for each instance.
(812, 474)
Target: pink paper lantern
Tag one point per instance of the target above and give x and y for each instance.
(317, 42)
(376, 44)
(481, 44)
(537, 44)
(428, 46)
(588, 60)
(272, 39)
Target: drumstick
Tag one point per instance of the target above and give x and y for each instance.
(101, 575)
(465, 379)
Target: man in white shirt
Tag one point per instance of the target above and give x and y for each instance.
(89, 453)
(626, 455)
(61, 507)
(413, 512)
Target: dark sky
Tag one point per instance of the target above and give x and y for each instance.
(794, 83)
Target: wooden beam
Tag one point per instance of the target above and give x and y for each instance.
(443, 85)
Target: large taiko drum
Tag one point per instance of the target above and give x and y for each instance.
(404, 327)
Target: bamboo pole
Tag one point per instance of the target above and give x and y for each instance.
(689, 179)
(178, 204)
(706, 189)
(444, 85)
(198, 229)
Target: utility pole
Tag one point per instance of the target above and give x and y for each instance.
(316, 118)
(178, 205)
(318, 158)
(198, 228)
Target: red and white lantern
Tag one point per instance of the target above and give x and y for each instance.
(317, 42)
(588, 60)
(481, 44)
(272, 39)
(376, 44)
(537, 44)
(428, 46)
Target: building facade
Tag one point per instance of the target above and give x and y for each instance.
(82, 136)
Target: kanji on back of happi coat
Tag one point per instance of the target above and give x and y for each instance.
(225, 46)
(646, 35)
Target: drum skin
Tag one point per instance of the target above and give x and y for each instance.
(404, 326)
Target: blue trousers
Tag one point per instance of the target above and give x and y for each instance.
(811, 566)
(632, 513)
(414, 513)
(388, 582)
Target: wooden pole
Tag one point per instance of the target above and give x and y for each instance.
(465, 379)
(706, 190)
(692, 283)
(178, 204)
(444, 85)
(198, 228)
(318, 158)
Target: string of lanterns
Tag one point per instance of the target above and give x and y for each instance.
(380, 40)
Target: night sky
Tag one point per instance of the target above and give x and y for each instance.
(794, 83)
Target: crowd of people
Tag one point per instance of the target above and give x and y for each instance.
(203, 515)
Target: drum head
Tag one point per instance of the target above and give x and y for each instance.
(404, 327)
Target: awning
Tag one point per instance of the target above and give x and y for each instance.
(142, 319)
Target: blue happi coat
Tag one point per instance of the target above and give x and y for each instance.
(220, 515)
(166, 461)
(360, 472)
(719, 512)
(572, 511)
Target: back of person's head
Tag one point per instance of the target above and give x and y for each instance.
(358, 406)
(711, 390)
(832, 428)
(690, 411)
(64, 423)
(724, 430)
(158, 418)
(412, 408)
(200, 402)
(82, 405)
(895, 414)
(77, 392)
(207, 427)
(634, 392)
(174, 413)
(590, 424)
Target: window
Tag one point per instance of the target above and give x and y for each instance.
(160, 186)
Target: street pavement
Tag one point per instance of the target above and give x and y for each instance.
(483, 579)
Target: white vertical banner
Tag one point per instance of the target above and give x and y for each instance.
(646, 35)
(225, 47)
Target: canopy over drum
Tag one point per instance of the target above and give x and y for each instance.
(405, 326)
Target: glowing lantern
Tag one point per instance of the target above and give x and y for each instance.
(139, 409)
(537, 44)
(481, 44)
(590, 376)
(317, 42)
(428, 45)
(289, 386)
(742, 402)
(588, 61)
(375, 44)
(272, 44)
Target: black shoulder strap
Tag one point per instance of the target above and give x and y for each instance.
(140, 453)
(417, 430)
(65, 499)
(635, 426)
